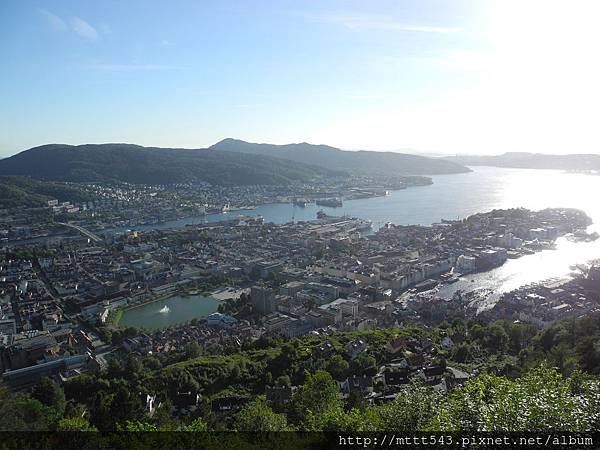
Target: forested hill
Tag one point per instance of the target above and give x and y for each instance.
(27, 192)
(363, 162)
(523, 379)
(150, 165)
(523, 160)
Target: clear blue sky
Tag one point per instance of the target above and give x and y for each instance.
(432, 75)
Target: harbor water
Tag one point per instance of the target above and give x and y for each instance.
(458, 196)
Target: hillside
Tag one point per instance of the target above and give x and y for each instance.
(518, 379)
(150, 165)
(364, 162)
(521, 160)
(26, 192)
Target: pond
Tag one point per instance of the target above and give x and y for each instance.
(164, 313)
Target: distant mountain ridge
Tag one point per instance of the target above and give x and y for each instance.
(524, 160)
(151, 165)
(362, 161)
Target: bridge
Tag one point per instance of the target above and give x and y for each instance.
(83, 231)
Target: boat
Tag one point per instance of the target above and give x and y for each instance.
(449, 277)
(365, 226)
(300, 202)
(165, 310)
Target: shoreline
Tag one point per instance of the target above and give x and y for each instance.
(224, 215)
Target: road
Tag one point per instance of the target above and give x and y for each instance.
(83, 231)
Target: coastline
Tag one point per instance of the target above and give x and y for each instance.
(193, 219)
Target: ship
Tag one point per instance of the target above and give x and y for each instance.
(365, 226)
(331, 202)
(449, 277)
(165, 310)
(301, 202)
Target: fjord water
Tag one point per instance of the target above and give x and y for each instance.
(449, 197)
(487, 188)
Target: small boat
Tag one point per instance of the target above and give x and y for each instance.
(165, 310)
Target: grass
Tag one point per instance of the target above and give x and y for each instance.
(115, 317)
(224, 360)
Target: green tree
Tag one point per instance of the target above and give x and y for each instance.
(258, 416)
(462, 353)
(356, 400)
(125, 405)
(193, 350)
(495, 338)
(283, 381)
(50, 394)
(74, 424)
(318, 394)
(363, 364)
(539, 401)
(25, 414)
(285, 361)
(337, 366)
(197, 425)
(412, 410)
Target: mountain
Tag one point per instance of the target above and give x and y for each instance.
(364, 162)
(150, 165)
(523, 160)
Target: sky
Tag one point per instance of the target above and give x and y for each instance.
(440, 76)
